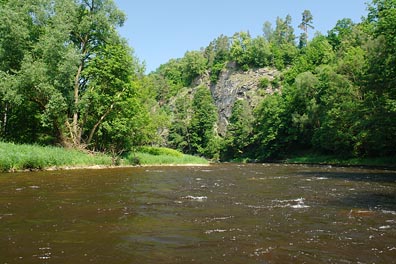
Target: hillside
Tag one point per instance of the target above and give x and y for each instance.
(67, 78)
(235, 84)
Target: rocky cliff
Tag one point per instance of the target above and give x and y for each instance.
(234, 84)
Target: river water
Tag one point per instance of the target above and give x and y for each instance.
(228, 213)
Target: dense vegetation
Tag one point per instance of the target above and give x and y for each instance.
(16, 157)
(67, 78)
(337, 96)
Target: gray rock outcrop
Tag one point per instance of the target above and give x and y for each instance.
(235, 85)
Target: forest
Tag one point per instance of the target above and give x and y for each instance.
(68, 78)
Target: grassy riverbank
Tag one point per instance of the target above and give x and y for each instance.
(162, 156)
(15, 157)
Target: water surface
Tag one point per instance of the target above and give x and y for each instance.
(225, 213)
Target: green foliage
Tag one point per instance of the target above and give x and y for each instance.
(162, 156)
(172, 72)
(250, 52)
(156, 151)
(218, 51)
(217, 54)
(142, 158)
(339, 114)
(239, 51)
(179, 131)
(263, 83)
(193, 65)
(304, 25)
(342, 160)
(342, 31)
(269, 128)
(318, 52)
(113, 108)
(215, 71)
(203, 119)
(239, 131)
(21, 157)
(71, 72)
(66, 76)
(284, 32)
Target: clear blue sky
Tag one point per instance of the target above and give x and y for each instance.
(159, 30)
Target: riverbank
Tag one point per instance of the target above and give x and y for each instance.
(14, 157)
(384, 162)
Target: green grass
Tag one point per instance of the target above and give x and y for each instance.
(24, 157)
(162, 156)
(323, 159)
(15, 157)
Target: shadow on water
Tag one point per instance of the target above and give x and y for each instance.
(368, 200)
(379, 177)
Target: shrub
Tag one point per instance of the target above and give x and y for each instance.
(157, 151)
(263, 83)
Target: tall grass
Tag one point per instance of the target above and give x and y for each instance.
(15, 157)
(162, 156)
(22, 157)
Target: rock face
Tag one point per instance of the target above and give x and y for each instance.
(234, 85)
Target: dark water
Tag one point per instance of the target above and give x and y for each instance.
(218, 214)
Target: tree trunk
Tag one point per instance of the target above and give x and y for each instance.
(4, 128)
(76, 129)
(95, 127)
(76, 134)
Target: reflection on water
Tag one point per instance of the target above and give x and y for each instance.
(225, 213)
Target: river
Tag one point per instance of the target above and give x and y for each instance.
(226, 213)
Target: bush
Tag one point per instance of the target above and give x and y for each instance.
(263, 83)
(161, 156)
(157, 151)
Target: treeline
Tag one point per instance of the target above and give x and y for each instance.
(337, 96)
(68, 78)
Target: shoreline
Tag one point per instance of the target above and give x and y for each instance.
(104, 167)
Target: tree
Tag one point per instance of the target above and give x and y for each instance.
(218, 51)
(343, 29)
(339, 114)
(259, 52)
(239, 131)
(204, 117)
(71, 70)
(318, 52)
(282, 43)
(303, 103)
(284, 32)
(172, 71)
(269, 128)
(180, 129)
(241, 43)
(193, 65)
(94, 28)
(18, 31)
(268, 31)
(217, 54)
(112, 85)
(380, 88)
(305, 24)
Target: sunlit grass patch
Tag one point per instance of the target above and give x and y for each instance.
(24, 157)
(162, 156)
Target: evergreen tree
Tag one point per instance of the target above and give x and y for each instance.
(180, 129)
(306, 23)
(239, 131)
(204, 117)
